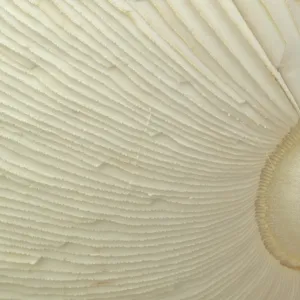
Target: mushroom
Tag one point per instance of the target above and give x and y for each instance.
(149, 149)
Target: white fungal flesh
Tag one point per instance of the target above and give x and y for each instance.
(133, 136)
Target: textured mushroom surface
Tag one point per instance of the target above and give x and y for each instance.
(133, 136)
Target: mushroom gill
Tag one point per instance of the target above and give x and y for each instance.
(149, 149)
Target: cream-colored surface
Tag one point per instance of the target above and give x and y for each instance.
(277, 204)
(133, 134)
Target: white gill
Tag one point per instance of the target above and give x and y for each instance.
(133, 135)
